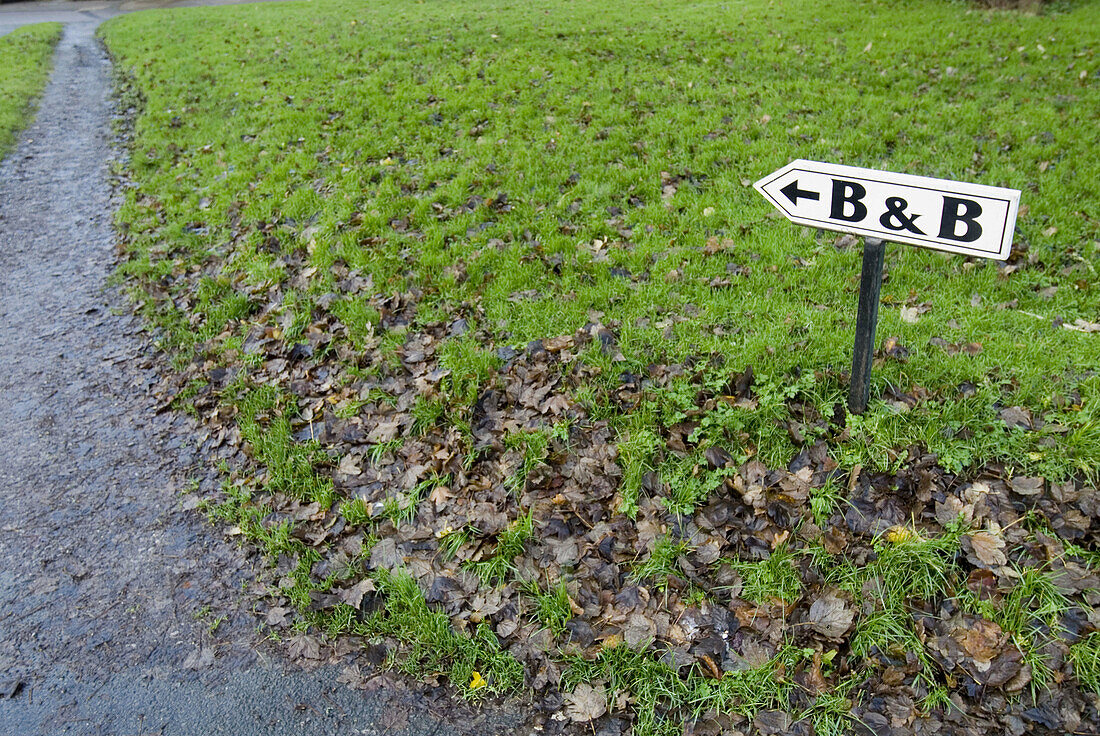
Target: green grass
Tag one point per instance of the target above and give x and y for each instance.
(713, 108)
(534, 445)
(551, 607)
(26, 55)
(291, 466)
(1085, 656)
(434, 648)
(1031, 614)
(774, 578)
(661, 564)
(499, 566)
(664, 697)
(496, 174)
(638, 446)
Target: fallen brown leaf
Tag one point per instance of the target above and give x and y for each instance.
(830, 616)
(585, 704)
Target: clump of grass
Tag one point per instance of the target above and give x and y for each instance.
(432, 647)
(1033, 603)
(218, 305)
(1031, 614)
(184, 399)
(689, 483)
(910, 566)
(1085, 657)
(665, 698)
(825, 501)
(403, 509)
(471, 365)
(496, 568)
(452, 540)
(237, 508)
(380, 450)
(535, 444)
(767, 580)
(359, 317)
(296, 313)
(290, 465)
(636, 451)
(552, 607)
(426, 414)
(355, 512)
(662, 563)
(831, 712)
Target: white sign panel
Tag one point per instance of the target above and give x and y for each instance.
(971, 219)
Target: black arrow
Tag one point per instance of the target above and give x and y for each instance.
(794, 193)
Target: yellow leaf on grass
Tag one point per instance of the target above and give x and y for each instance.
(899, 534)
(477, 681)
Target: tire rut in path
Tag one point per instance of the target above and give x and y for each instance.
(108, 589)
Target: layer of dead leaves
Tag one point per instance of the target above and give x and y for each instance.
(582, 539)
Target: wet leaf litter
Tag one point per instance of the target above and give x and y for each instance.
(439, 506)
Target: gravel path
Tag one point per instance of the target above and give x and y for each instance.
(121, 613)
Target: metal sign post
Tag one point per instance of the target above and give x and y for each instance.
(968, 219)
(870, 284)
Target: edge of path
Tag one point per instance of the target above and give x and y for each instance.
(106, 626)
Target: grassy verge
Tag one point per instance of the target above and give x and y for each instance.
(481, 295)
(25, 55)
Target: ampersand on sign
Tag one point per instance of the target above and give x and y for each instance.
(895, 218)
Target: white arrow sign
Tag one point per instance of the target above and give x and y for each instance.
(971, 219)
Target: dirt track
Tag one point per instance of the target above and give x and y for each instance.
(120, 612)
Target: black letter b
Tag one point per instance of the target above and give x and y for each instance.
(971, 210)
(848, 192)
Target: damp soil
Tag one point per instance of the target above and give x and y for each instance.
(121, 610)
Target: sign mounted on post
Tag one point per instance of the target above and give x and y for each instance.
(969, 219)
